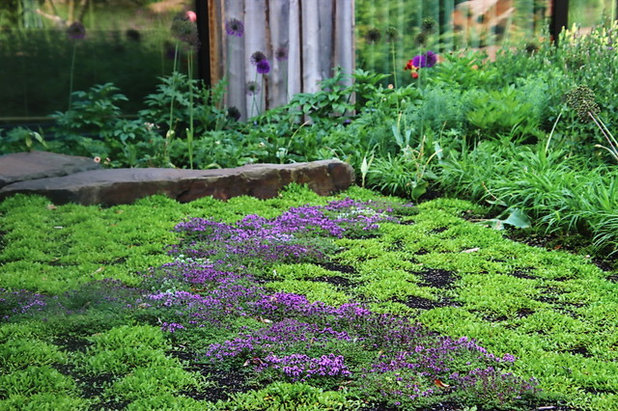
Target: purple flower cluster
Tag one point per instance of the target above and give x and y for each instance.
(216, 261)
(428, 59)
(259, 60)
(198, 273)
(228, 299)
(172, 327)
(278, 336)
(284, 305)
(20, 302)
(296, 235)
(302, 367)
(234, 27)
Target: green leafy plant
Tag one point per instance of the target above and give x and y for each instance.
(21, 139)
(408, 172)
(287, 396)
(499, 111)
(328, 104)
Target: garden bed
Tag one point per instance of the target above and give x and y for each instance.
(356, 301)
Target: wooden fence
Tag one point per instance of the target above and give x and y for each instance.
(303, 40)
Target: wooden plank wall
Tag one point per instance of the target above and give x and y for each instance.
(316, 36)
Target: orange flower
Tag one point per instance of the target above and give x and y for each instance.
(414, 74)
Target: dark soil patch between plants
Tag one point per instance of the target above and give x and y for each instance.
(580, 351)
(523, 273)
(71, 343)
(524, 312)
(90, 385)
(438, 278)
(334, 279)
(424, 303)
(226, 382)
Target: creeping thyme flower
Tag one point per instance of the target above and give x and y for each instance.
(253, 88)
(263, 67)
(373, 36)
(581, 99)
(256, 57)
(76, 31)
(234, 27)
(281, 53)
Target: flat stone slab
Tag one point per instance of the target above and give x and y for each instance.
(40, 164)
(125, 185)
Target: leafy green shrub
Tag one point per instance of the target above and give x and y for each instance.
(124, 348)
(19, 353)
(35, 379)
(287, 396)
(152, 381)
(47, 401)
(21, 139)
(168, 402)
(497, 112)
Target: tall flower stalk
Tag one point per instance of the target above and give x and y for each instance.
(76, 31)
(262, 66)
(582, 100)
(281, 55)
(184, 28)
(234, 28)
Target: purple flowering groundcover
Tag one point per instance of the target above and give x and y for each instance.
(212, 303)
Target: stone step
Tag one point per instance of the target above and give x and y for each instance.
(40, 164)
(125, 185)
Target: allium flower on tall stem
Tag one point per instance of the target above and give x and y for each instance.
(184, 28)
(235, 27)
(281, 55)
(253, 88)
(262, 65)
(257, 57)
(392, 36)
(76, 31)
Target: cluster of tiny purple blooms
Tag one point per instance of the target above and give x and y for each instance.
(301, 339)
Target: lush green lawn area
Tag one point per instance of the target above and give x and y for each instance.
(224, 324)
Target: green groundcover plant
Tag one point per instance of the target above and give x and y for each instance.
(350, 302)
